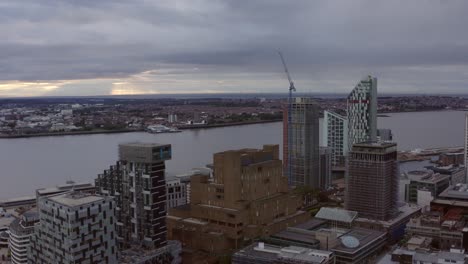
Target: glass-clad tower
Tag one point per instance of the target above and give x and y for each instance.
(304, 148)
(335, 136)
(362, 112)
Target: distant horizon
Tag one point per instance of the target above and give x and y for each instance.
(225, 95)
(106, 47)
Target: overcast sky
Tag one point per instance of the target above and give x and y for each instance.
(103, 47)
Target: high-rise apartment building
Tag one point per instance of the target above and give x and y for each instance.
(247, 197)
(362, 112)
(466, 147)
(21, 231)
(335, 136)
(137, 182)
(372, 180)
(74, 227)
(325, 167)
(301, 143)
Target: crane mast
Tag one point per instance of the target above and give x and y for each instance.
(291, 89)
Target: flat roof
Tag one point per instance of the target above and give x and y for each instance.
(458, 191)
(73, 199)
(365, 237)
(336, 214)
(143, 144)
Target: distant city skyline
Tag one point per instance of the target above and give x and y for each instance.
(89, 48)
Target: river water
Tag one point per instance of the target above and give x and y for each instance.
(30, 163)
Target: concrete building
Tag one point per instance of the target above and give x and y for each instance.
(137, 182)
(82, 187)
(248, 197)
(372, 180)
(335, 136)
(362, 112)
(426, 180)
(262, 253)
(456, 173)
(404, 256)
(350, 245)
(21, 231)
(176, 192)
(447, 230)
(446, 159)
(74, 227)
(303, 138)
(384, 134)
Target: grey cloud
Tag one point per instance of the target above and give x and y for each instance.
(325, 42)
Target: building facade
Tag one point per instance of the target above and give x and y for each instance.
(372, 180)
(426, 180)
(466, 148)
(137, 182)
(176, 191)
(74, 227)
(335, 136)
(301, 144)
(247, 197)
(21, 231)
(325, 166)
(362, 112)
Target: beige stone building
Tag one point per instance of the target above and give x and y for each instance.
(248, 197)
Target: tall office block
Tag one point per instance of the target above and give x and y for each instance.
(247, 197)
(137, 182)
(304, 148)
(372, 180)
(466, 147)
(335, 136)
(74, 227)
(362, 112)
(21, 231)
(325, 166)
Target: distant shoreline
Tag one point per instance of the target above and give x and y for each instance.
(182, 127)
(188, 127)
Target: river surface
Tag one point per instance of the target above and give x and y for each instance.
(30, 163)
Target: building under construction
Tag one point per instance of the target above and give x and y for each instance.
(372, 180)
(301, 143)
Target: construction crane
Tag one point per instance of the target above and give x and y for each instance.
(291, 90)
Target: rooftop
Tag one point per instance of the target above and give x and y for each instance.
(358, 238)
(336, 214)
(260, 250)
(143, 144)
(73, 199)
(458, 191)
(64, 187)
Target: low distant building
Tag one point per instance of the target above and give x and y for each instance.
(21, 231)
(447, 230)
(384, 134)
(456, 173)
(425, 180)
(394, 227)
(446, 159)
(262, 253)
(350, 245)
(176, 191)
(406, 256)
(168, 254)
(70, 185)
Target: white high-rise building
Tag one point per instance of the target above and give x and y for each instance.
(335, 136)
(20, 234)
(362, 112)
